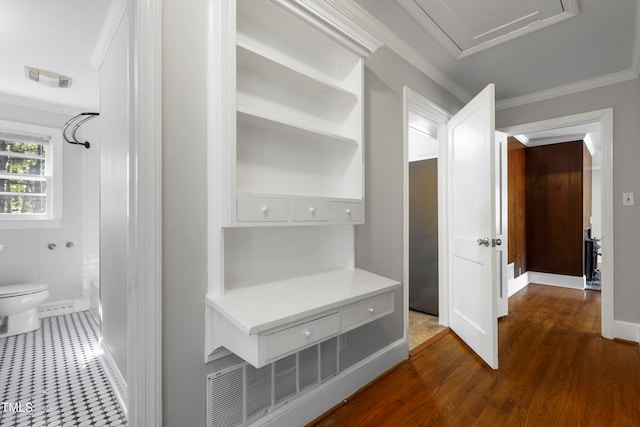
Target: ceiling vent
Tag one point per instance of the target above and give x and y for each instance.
(465, 27)
(47, 78)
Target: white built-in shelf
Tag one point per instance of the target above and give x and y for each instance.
(286, 179)
(276, 65)
(265, 322)
(258, 308)
(260, 119)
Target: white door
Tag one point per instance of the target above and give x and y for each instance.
(500, 243)
(472, 226)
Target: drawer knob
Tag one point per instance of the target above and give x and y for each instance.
(265, 209)
(307, 334)
(312, 210)
(371, 310)
(348, 211)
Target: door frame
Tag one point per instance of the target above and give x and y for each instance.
(414, 101)
(144, 287)
(610, 329)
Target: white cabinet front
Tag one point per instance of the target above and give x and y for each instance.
(309, 210)
(300, 336)
(262, 209)
(346, 211)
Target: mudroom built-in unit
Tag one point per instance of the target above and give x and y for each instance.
(286, 186)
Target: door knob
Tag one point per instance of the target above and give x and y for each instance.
(484, 242)
(497, 242)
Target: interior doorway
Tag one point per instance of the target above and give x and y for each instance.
(424, 131)
(602, 122)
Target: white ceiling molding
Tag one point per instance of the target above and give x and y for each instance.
(632, 73)
(594, 83)
(108, 31)
(323, 16)
(460, 43)
(363, 18)
(555, 140)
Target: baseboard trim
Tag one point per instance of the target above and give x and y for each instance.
(626, 330)
(116, 380)
(516, 284)
(58, 308)
(313, 404)
(560, 280)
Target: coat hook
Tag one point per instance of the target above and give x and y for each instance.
(74, 139)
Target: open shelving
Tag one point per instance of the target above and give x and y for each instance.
(287, 177)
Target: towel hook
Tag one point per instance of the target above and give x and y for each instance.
(74, 139)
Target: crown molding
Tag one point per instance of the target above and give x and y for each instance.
(570, 9)
(390, 39)
(108, 31)
(581, 86)
(632, 73)
(329, 20)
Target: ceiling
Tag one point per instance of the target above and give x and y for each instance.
(562, 46)
(530, 49)
(57, 36)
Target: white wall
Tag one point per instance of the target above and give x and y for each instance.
(25, 258)
(624, 98)
(421, 146)
(114, 195)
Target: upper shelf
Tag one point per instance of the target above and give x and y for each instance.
(277, 65)
(260, 120)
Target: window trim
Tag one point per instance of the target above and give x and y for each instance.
(54, 168)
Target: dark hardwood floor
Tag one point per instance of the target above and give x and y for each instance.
(555, 370)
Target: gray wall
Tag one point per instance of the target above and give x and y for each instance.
(625, 100)
(379, 242)
(184, 212)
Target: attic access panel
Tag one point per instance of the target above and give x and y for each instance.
(465, 27)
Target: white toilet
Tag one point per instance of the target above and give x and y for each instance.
(19, 307)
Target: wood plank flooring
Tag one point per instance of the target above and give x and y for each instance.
(555, 370)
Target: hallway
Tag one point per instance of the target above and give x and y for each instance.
(555, 369)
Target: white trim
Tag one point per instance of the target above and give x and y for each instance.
(570, 10)
(605, 117)
(626, 330)
(394, 42)
(560, 280)
(58, 308)
(314, 403)
(414, 101)
(114, 376)
(554, 140)
(108, 31)
(518, 283)
(329, 20)
(581, 86)
(144, 311)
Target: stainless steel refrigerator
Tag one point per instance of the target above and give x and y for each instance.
(423, 236)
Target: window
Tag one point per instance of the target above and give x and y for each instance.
(30, 188)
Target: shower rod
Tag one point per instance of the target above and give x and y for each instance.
(74, 139)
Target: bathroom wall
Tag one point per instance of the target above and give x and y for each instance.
(25, 257)
(114, 195)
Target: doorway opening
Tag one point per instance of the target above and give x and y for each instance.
(598, 124)
(424, 234)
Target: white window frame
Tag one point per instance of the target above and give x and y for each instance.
(52, 218)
